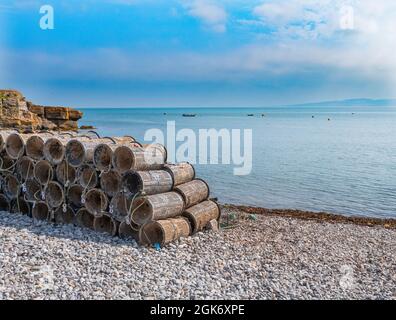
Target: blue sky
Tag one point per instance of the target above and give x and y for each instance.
(198, 52)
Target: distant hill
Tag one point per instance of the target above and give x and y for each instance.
(351, 103)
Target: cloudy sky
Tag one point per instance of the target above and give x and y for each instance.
(199, 52)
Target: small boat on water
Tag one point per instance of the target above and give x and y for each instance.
(189, 114)
(250, 115)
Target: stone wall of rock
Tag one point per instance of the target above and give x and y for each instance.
(16, 112)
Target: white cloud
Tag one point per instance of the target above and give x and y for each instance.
(212, 15)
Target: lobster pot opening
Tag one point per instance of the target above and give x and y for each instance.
(62, 217)
(103, 154)
(137, 158)
(54, 150)
(15, 145)
(181, 172)
(119, 206)
(6, 163)
(105, 224)
(43, 172)
(74, 195)
(65, 173)
(157, 207)
(75, 153)
(3, 138)
(110, 182)
(87, 176)
(200, 214)
(54, 194)
(147, 182)
(25, 168)
(35, 147)
(164, 231)
(21, 206)
(11, 186)
(125, 231)
(33, 189)
(193, 192)
(96, 201)
(85, 219)
(41, 211)
(4, 203)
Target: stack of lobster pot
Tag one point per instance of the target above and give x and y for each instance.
(109, 184)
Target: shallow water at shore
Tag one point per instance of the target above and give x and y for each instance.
(333, 159)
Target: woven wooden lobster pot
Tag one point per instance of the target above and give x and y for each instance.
(164, 231)
(200, 214)
(193, 192)
(105, 224)
(147, 182)
(181, 172)
(157, 207)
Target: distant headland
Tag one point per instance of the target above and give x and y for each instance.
(350, 103)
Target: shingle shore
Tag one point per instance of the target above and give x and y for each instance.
(257, 257)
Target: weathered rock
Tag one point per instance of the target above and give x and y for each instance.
(39, 110)
(75, 114)
(66, 124)
(48, 125)
(16, 112)
(56, 113)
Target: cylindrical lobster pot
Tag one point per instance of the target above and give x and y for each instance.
(64, 217)
(126, 232)
(54, 194)
(35, 145)
(11, 186)
(200, 214)
(96, 201)
(3, 138)
(156, 149)
(40, 211)
(79, 151)
(147, 182)
(103, 152)
(54, 149)
(15, 145)
(4, 203)
(181, 172)
(65, 173)
(87, 176)
(20, 205)
(164, 231)
(25, 168)
(105, 224)
(193, 192)
(43, 172)
(6, 163)
(110, 182)
(157, 207)
(138, 158)
(85, 219)
(74, 195)
(33, 189)
(119, 206)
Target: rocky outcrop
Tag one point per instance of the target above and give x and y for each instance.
(16, 112)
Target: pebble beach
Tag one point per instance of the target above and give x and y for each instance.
(256, 256)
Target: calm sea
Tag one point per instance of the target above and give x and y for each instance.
(301, 159)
